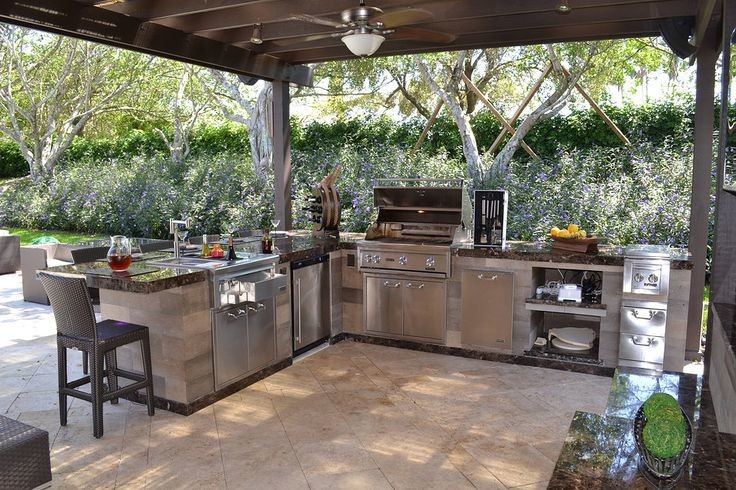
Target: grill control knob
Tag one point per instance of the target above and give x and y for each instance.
(653, 278)
(430, 262)
(638, 277)
(402, 260)
(376, 259)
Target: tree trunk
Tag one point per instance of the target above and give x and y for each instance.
(461, 118)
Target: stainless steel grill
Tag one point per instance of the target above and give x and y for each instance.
(405, 258)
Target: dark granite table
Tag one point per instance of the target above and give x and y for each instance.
(542, 252)
(600, 452)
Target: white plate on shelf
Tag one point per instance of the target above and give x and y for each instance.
(562, 345)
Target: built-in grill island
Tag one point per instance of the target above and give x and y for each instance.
(243, 311)
(405, 259)
(644, 306)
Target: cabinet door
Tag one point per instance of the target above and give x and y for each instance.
(261, 334)
(487, 308)
(231, 345)
(424, 309)
(383, 305)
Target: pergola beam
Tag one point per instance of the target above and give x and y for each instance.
(609, 30)
(99, 25)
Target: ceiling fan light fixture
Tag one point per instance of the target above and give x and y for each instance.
(257, 38)
(563, 7)
(363, 44)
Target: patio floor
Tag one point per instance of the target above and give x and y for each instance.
(351, 416)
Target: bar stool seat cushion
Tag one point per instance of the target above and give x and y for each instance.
(108, 329)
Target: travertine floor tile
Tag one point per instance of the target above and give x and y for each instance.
(352, 416)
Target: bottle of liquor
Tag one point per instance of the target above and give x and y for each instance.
(231, 249)
(266, 242)
(205, 247)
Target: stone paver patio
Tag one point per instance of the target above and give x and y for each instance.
(351, 416)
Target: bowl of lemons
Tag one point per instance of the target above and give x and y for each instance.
(572, 238)
(571, 232)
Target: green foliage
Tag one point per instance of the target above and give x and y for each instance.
(621, 196)
(137, 196)
(12, 163)
(657, 402)
(28, 236)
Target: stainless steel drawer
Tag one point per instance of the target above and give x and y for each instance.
(641, 348)
(643, 321)
(254, 287)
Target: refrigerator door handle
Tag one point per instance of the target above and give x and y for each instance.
(299, 302)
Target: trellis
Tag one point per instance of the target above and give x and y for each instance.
(508, 124)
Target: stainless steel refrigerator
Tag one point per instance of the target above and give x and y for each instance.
(310, 280)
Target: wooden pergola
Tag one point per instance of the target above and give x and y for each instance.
(277, 39)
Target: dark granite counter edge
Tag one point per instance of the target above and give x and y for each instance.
(146, 287)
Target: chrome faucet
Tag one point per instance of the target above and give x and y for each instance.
(174, 230)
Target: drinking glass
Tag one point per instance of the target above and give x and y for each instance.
(274, 224)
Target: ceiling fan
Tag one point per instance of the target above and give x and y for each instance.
(367, 28)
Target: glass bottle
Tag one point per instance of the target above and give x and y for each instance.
(266, 242)
(231, 249)
(205, 247)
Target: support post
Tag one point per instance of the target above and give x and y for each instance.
(700, 199)
(282, 154)
(428, 126)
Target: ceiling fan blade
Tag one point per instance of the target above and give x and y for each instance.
(306, 39)
(313, 19)
(403, 17)
(425, 35)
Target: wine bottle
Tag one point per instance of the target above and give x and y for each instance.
(205, 246)
(231, 249)
(266, 242)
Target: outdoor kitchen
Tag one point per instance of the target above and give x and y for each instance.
(458, 315)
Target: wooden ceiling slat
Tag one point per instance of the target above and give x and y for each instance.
(664, 9)
(77, 20)
(610, 30)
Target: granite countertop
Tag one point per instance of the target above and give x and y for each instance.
(600, 451)
(542, 252)
(143, 278)
(140, 277)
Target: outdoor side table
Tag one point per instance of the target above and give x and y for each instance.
(24, 455)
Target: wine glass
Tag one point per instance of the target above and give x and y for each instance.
(274, 224)
(135, 249)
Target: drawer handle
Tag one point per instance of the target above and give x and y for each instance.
(636, 341)
(492, 278)
(651, 315)
(240, 314)
(257, 308)
(411, 285)
(392, 284)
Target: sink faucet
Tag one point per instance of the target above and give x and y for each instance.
(174, 230)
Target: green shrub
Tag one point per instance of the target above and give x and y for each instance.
(12, 163)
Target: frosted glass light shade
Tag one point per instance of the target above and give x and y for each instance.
(363, 44)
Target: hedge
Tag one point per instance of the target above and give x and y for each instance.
(581, 129)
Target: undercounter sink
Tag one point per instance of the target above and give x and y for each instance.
(183, 262)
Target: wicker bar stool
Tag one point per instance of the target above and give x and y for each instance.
(77, 328)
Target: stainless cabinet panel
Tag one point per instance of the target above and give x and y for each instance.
(231, 345)
(487, 308)
(261, 334)
(424, 308)
(383, 297)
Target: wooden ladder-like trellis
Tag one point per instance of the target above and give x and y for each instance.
(508, 124)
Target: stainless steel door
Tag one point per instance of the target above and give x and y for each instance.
(383, 298)
(261, 334)
(487, 308)
(424, 309)
(641, 351)
(311, 304)
(231, 345)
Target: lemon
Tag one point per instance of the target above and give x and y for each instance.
(583, 233)
(554, 231)
(564, 234)
(572, 228)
